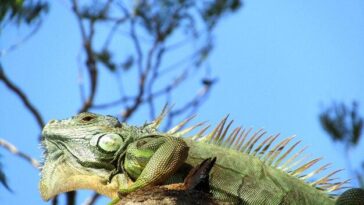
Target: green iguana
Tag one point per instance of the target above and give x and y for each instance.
(97, 152)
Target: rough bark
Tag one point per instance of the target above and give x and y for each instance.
(174, 194)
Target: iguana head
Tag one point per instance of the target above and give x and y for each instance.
(79, 152)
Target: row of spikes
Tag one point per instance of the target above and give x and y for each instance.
(240, 140)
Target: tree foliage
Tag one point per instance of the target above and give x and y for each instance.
(344, 125)
(18, 11)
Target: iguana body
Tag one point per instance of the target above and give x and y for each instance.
(96, 152)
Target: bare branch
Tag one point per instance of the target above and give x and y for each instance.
(170, 87)
(11, 148)
(193, 104)
(188, 59)
(78, 15)
(90, 59)
(55, 200)
(137, 46)
(92, 200)
(113, 103)
(21, 41)
(22, 96)
(71, 198)
(142, 81)
(142, 39)
(107, 6)
(92, 70)
(201, 94)
(186, 40)
(113, 30)
(154, 77)
(80, 78)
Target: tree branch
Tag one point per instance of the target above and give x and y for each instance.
(113, 30)
(11, 148)
(93, 198)
(21, 41)
(113, 103)
(90, 59)
(136, 45)
(22, 96)
(192, 104)
(142, 81)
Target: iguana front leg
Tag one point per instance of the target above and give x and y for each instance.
(152, 160)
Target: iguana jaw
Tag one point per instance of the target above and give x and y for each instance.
(62, 172)
(59, 174)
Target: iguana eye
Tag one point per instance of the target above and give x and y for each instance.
(87, 118)
(110, 142)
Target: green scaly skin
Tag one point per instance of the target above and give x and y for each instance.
(91, 151)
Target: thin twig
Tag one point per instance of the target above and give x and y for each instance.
(80, 79)
(107, 6)
(92, 199)
(170, 87)
(153, 79)
(193, 104)
(78, 15)
(137, 46)
(90, 61)
(21, 41)
(22, 96)
(92, 70)
(122, 100)
(142, 82)
(201, 94)
(188, 59)
(113, 30)
(11, 148)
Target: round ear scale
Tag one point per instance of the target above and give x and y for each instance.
(110, 142)
(354, 196)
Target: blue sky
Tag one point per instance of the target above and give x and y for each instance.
(277, 63)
